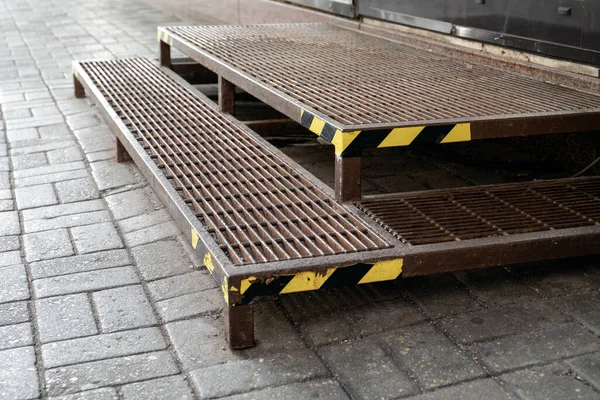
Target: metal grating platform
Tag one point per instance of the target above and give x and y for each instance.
(356, 81)
(254, 205)
(501, 210)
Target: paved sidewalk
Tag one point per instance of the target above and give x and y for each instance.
(101, 298)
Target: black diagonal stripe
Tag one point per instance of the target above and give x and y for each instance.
(307, 119)
(265, 288)
(433, 134)
(328, 132)
(365, 140)
(347, 276)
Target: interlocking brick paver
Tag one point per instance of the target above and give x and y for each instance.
(85, 281)
(123, 308)
(161, 259)
(63, 209)
(352, 361)
(66, 221)
(61, 156)
(35, 196)
(495, 322)
(80, 263)
(92, 238)
(110, 174)
(97, 394)
(76, 190)
(100, 347)
(254, 374)
(534, 348)
(65, 317)
(141, 222)
(15, 135)
(165, 230)
(15, 336)
(554, 381)
(588, 367)
(51, 178)
(190, 305)
(430, 356)
(27, 161)
(475, 390)
(132, 203)
(47, 170)
(114, 371)
(14, 284)
(172, 387)
(46, 245)
(9, 223)
(319, 389)
(14, 313)
(195, 281)
(9, 243)
(8, 258)
(584, 307)
(18, 375)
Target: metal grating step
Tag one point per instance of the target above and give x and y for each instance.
(500, 210)
(254, 204)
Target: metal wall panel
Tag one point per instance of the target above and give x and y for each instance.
(341, 7)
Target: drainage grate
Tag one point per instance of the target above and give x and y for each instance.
(255, 205)
(353, 78)
(501, 210)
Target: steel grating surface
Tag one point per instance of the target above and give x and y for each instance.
(357, 79)
(254, 204)
(461, 214)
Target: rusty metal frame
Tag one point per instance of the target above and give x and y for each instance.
(486, 127)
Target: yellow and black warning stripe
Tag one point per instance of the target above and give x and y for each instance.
(349, 144)
(164, 37)
(357, 274)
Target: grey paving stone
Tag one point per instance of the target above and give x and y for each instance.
(115, 371)
(15, 336)
(80, 263)
(98, 143)
(495, 286)
(97, 394)
(85, 281)
(63, 209)
(200, 342)
(26, 161)
(10, 223)
(570, 279)
(588, 367)
(366, 372)
(324, 329)
(46, 245)
(9, 243)
(65, 317)
(169, 388)
(430, 356)
(14, 135)
(100, 347)
(4, 164)
(98, 237)
(35, 196)
(475, 390)
(110, 174)
(123, 308)
(48, 169)
(52, 131)
(191, 305)
(18, 375)
(144, 221)
(51, 178)
(161, 259)
(385, 316)
(496, 322)
(165, 230)
(106, 155)
(62, 156)
(534, 348)
(33, 122)
(7, 205)
(13, 313)
(4, 178)
(554, 381)
(440, 295)
(320, 389)
(76, 190)
(132, 203)
(14, 284)
(584, 307)
(9, 258)
(66, 221)
(37, 146)
(174, 286)
(216, 381)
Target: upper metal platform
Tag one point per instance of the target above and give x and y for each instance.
(340, 83)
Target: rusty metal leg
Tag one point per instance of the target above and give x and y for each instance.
(122, 154)
(226, 96)
(347, 178)
(79, 89)
(239, 326)
(165, 54)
